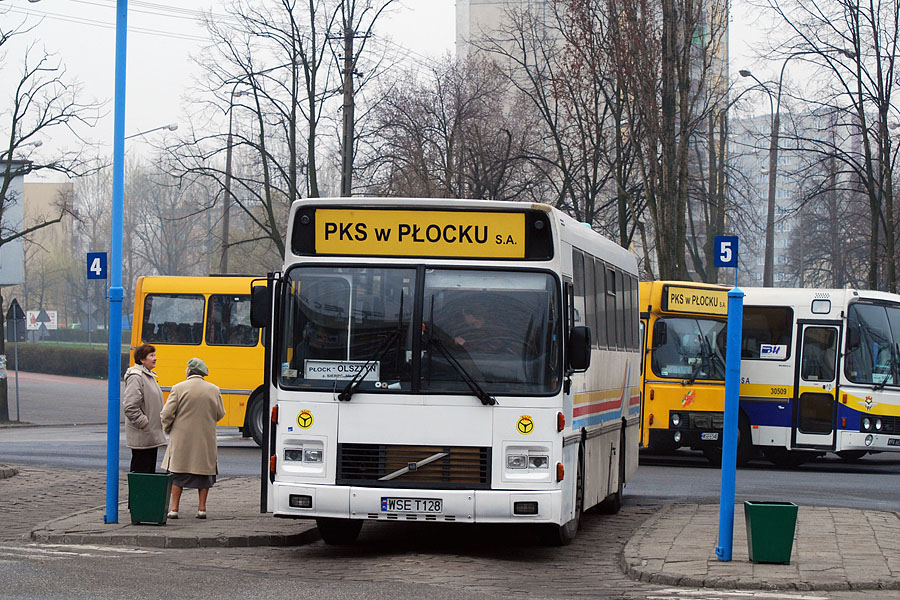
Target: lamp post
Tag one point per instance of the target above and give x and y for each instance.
(226, 208)
(170, 127)
(775, 125)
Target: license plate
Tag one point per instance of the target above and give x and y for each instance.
(893, 441)
(712, 436)
(412, 505)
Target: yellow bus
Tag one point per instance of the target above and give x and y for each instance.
(683, 366)
(207, 317)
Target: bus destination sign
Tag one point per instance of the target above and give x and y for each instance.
(695, 300)
(420, 233)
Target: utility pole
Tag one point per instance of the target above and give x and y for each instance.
(349, 109)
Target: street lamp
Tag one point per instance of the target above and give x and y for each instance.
(170, 127)
(226, 208)
(775, 123)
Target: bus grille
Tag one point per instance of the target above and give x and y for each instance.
(435, 467)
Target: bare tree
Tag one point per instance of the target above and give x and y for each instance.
(852, 49)
(449, 136)
(42, 100)
(670, 59)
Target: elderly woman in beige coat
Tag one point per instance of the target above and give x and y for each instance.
(142, 403)
(190, 417)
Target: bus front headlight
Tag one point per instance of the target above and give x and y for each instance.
(293, 455)
(676, 419)
(516, 461)
(538, 462)
(877, 424)
(312, 455)
(866, 424)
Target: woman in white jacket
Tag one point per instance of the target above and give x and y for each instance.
(142, 404)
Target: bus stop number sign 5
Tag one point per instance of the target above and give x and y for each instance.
(726, 251)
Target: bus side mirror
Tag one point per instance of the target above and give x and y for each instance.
(852, 336)
(580, 348)
(260, 306)
(660, 334)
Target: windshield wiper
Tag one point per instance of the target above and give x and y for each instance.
(354, 383)
(479, 392)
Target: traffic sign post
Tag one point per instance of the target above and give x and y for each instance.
(14, 316)
(726, 255)
(96, 265)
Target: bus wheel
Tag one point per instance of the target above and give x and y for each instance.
(781, 457)
(745, 450)
(851, 455)
(255, 416)
(339, 531)
(562, 535)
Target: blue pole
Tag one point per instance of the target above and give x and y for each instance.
(115, 288)
(730, 427)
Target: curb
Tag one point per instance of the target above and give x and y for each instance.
(155, 541)
(6, 472)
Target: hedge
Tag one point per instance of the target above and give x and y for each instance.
(62, 360)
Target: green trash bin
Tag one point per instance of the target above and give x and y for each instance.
(148, 497)
(770, 530)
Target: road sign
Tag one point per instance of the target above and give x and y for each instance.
(96, 265)
(31, 320)
(725, 249)
(15, 311)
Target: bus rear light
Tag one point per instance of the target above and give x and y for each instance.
(272, 464)
(560, 472)
(560, 421)
(275, 415)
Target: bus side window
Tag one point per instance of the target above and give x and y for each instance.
(601, 334)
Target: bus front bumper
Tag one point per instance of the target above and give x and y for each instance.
(877, 442)
(402, 504)
(685, 438)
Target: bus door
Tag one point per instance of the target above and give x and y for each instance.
(815, 386)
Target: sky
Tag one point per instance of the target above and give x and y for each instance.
(162, 37)
(164, 34)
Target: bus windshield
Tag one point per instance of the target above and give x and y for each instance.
(498, 328)
(691, 349)
(872, 351)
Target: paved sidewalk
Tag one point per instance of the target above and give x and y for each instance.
(834, 549)
(233, 520)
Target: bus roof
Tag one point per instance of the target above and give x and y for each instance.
(224, 284)
(570, 230)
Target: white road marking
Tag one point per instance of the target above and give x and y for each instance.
(695, 594)
(54, 551)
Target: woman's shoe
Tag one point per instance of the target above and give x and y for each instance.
(201, 514)
(173, 514)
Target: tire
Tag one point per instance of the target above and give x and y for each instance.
(338, 532)
(745, 448)
(851, 455)
(562, 535)
(781, 457)
(255, 416)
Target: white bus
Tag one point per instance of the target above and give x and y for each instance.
(448, 361)
(820, 372)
